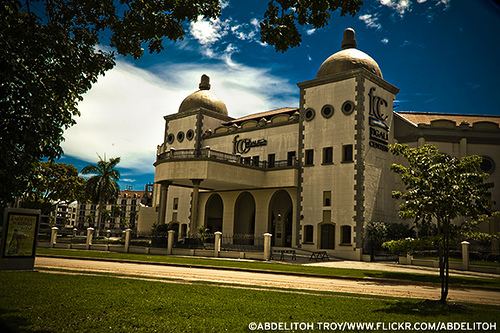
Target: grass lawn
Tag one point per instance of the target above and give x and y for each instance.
(472, 262)
(43, 302)
(470, 282)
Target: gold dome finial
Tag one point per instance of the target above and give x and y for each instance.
(205, 82)
(349, 40)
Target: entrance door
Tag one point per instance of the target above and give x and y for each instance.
(281, 219)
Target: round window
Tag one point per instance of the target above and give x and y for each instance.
(180, 136)
(190, 134)
(487, 164)
(347, 107)
(170, 138)
(309, 114)
(327, 111)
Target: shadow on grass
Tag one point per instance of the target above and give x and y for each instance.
(12, 321)
(424, 308)
(454, 280)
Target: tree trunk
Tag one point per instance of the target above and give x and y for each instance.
(445, 271)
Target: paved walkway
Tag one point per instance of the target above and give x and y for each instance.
(269, 280)
(393, 267)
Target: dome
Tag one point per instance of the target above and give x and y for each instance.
(203, 99)
(348, 58)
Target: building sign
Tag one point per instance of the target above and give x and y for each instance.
(379, 130)
(242, 146)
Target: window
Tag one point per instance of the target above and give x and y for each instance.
(170, 138)
(487, 164)
(347, 107)
(190, 134)
(176, 203)
(246, 160)
(328, 155)
(347, 153)
(345, 234)
(290, 159)
(327, 111)
(271, 159)
(255, 161)
(183, 230)
(174, 217)
(327, 198)
(308, 233)
(309, 160)
(180, 136)
(309, 114)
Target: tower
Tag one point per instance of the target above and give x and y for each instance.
(346, 127)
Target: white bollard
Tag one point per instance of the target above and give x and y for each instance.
(53, 236)
(170, 241)
(267, 246)
(465, 255)
(217, 241)
(127, 238)
(90, 234)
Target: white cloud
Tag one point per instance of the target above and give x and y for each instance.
(384, 40)
(401, 6)
(370, 20)
(223, 4)
(210, 31)
(122, 115)
(309, 57)
(310, 31)
(127, 180)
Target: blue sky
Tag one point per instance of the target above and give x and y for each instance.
(442, 54)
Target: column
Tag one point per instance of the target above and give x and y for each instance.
(463, 147)
(465, 255)
(194, 205)
(170, 241)
(267, 246)
(162, 210)
(217, 242)
(127, 239)
(90, 234)
(53, 236)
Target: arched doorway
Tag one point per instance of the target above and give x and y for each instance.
(244, 219)
(280, 219)
(214, 210)
(327, 231)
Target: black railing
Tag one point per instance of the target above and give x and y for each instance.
(209, 154)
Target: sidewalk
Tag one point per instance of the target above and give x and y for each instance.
(393, 267)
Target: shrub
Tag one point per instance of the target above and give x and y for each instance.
(408, 245)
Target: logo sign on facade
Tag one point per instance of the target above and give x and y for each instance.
(242, 146)
(379, 130)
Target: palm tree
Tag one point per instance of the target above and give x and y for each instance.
(102, 186)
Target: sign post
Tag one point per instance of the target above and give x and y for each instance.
(19, 235)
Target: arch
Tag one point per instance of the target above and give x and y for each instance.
(244, 219)
(214, 211)
(280, 221)
(327, 236)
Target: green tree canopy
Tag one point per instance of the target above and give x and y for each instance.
(52, 51)
(442, 188)
(53, 183)
(102, 187)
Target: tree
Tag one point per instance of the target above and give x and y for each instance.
(376, 233)
(443, 188)
(51, 184)
(102, 186)
(52, 51)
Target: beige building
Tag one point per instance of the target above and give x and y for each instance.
(311, 176)
(123, 213)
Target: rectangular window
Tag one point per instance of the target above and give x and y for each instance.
(176, 203)
(255, 161)
(247, 160)
(327, 198)
(290, 159)
(309, 158)
(271, 159)
(328, 155)
(345, 232)
(347, 153)
(308, 233)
